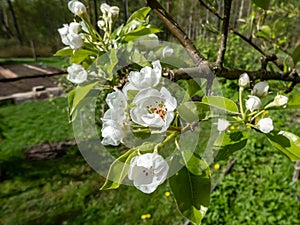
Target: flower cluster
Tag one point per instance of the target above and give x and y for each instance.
(254, 103)
(150, 107)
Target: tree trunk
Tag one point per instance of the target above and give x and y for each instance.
(12, 12)
(5, 27)
(125, 3)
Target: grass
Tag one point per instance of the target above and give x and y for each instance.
(258, 190)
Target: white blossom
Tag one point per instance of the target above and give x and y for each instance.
(147, 77)
(109, 11)
(265, 125)
(154, 109)
(101, 24)
(76, 73)
(223, 125)
(112, 132)
(70, 36)
(77, 7)
(116, 100)
(280, 100)
(253, 103)
(244, 80)
(148, 171)
(260, 89)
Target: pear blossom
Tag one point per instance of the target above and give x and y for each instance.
(101, 24)
(253, 103)
(280, 100)
(77, 7)
(147, 77)
(260, 89)
(116, 100)
(112, 132)
(223, 125)
(76, 73)
(167, 51)
(154, 109)
(109, 11)
(244, 80)
(148, 171)
(70, 36)
(265, 125)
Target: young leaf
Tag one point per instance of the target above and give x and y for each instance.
(80, 55)
(193, 111)
(80, 93)
(140, 14)
(296, 55)
(229, 142)
(286, 142)
(191, 192)
(294, 101)
(141, 31)
(67, 51)
(118, 170)
(264, 4)
(221, 103)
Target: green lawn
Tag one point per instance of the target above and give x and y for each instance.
(258, 190)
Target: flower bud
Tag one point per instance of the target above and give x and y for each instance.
(265, 125)
(253, 103)
(114, 12)
(101, 24)
(244, 80)
(280, 100)
(76, 7)
(76, 73)
(223, 125)
(260, 89)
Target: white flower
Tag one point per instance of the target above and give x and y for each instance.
(76, 7)
(265, 125)
(223, 125)
(112, 133)
(70, 37)
(281, 100)
(244, 80)
(147, 77)
(154, 108)
(109, 11)
(76, 73)
(116, 100)
(148, 171)
(253, 103)
(101, 24)
(74, 28)
(260, 89)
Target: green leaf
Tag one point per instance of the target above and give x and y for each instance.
(81, 55)
(228, 143)
(221, 103)
(296, 55)
(140, 14)
(64, 52)
(80, 93)
(118, 170)
(191, 192)
(193, 111)
(193, 162)
(264, 32)
(71, 96)
(141, 31)
(294, 101)
(264, 4)
(286, 142)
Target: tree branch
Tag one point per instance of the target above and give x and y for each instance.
(176, 31)
(211, 9)
(225, 27)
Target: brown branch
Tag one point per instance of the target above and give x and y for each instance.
(211, 9)
(225, 27)
(232, 74)
(175, 29)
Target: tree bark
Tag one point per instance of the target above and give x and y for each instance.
(13, 15)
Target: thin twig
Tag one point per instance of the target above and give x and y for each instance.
(296, 171)
(225, 27)
(175, 29)
(211, 9)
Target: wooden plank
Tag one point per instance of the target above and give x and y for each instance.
(7, 73)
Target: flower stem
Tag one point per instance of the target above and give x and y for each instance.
(241, 102)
